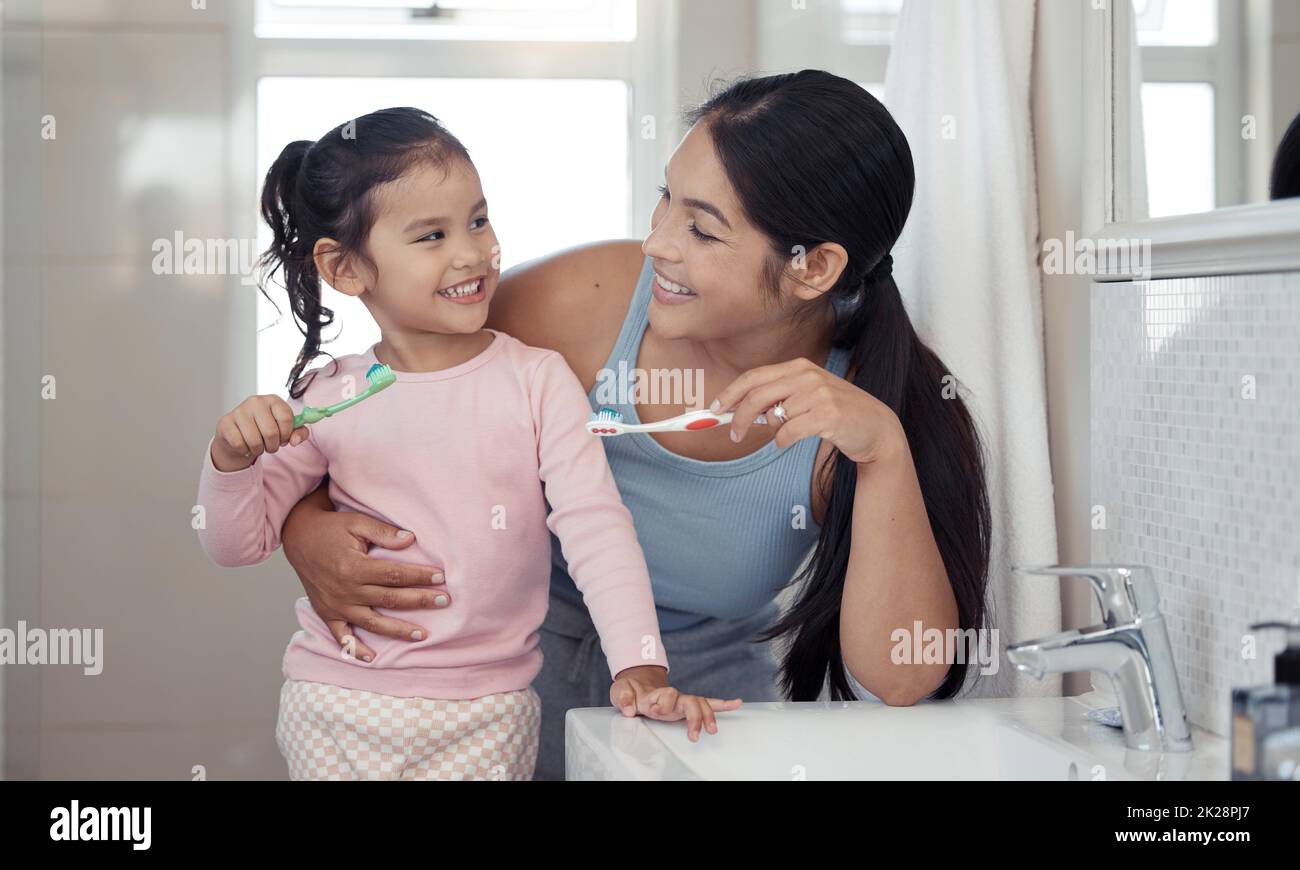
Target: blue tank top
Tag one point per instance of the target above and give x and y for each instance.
(721, 539)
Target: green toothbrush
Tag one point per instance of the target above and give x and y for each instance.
(380, 377)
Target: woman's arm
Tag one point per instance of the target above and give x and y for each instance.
(895, 578)
(895, 574)
(329, 550)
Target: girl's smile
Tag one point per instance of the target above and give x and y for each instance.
(469, 292)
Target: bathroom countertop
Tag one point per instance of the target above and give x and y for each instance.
(980, 738)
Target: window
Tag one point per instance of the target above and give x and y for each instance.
(569, 20)
(1193, 102)
(870, 22)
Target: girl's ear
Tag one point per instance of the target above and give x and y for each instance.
(822, 267)
(335, 269)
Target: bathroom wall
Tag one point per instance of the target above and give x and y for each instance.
(101, 474)
(1196, 463)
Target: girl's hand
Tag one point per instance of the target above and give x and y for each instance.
(645, 691)
(259, 424)
(816, 403)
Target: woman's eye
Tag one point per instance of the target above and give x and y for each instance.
(703, 237)
(663, 191)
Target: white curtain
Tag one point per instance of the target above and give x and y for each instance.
(958, 84)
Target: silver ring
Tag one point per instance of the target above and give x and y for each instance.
(778, 411)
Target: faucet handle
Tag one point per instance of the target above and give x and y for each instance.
(1123, 591)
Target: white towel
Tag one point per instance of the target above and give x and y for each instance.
(958, 85)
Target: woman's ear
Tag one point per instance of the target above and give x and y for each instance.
(817, 271)
(335, 269)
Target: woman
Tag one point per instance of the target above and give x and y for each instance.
(768, 269)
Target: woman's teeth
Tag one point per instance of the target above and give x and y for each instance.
(673, 287)
(461, 290)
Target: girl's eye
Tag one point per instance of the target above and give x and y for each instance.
(430, 236)
(479, 223)
(663, 191)
(703, 237)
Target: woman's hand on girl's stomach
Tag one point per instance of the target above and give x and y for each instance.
(645, 691)
(257, 425)
(330, 552)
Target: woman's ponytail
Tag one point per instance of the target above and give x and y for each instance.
(889, 361)
(814, 158)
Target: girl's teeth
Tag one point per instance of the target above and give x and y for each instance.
(673, 287)
(466, 290)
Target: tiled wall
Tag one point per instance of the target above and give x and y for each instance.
(1196, 462)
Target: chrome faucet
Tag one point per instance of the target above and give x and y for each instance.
(1131, 647)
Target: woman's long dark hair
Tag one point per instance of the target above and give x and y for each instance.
(814, 158)
(1284, 182)
(321, 190)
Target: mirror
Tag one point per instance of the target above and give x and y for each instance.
(1212, 103)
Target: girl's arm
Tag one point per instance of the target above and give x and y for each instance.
(244, 508)
(594, 526)
(599, 544)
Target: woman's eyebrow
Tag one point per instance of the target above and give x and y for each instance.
(434, 221)
(706, 207)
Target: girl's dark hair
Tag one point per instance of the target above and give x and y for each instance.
(321, 189)
(1285, 180)
(814, 158)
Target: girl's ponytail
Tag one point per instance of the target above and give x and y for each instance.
(289, 254)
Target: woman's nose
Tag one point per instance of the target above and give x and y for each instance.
(658, 246)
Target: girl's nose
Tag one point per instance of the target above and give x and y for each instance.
(470, 256)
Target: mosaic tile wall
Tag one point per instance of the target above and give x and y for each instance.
(1196, 462)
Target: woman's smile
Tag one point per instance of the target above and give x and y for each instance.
(670, 292)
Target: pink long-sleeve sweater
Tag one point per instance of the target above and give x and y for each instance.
(467, 458)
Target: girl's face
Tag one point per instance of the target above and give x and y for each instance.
(435, 255)
(706, 252)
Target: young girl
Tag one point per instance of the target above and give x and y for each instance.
(477, 438)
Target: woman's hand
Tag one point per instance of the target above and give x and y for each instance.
(816, 403)
(257, 425)
(645, 691)
(329, 550)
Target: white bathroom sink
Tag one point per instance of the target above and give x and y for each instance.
(1011, 738)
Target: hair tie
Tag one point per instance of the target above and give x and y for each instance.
(882, 270)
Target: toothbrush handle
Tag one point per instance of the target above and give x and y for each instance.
(688, 422)
(310, 415)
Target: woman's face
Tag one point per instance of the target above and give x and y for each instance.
(707, 257)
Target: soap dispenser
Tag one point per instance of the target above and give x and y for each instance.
(1266, 719)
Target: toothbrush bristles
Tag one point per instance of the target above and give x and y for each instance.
(380, 375)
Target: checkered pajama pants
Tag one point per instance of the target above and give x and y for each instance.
(332, 733)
